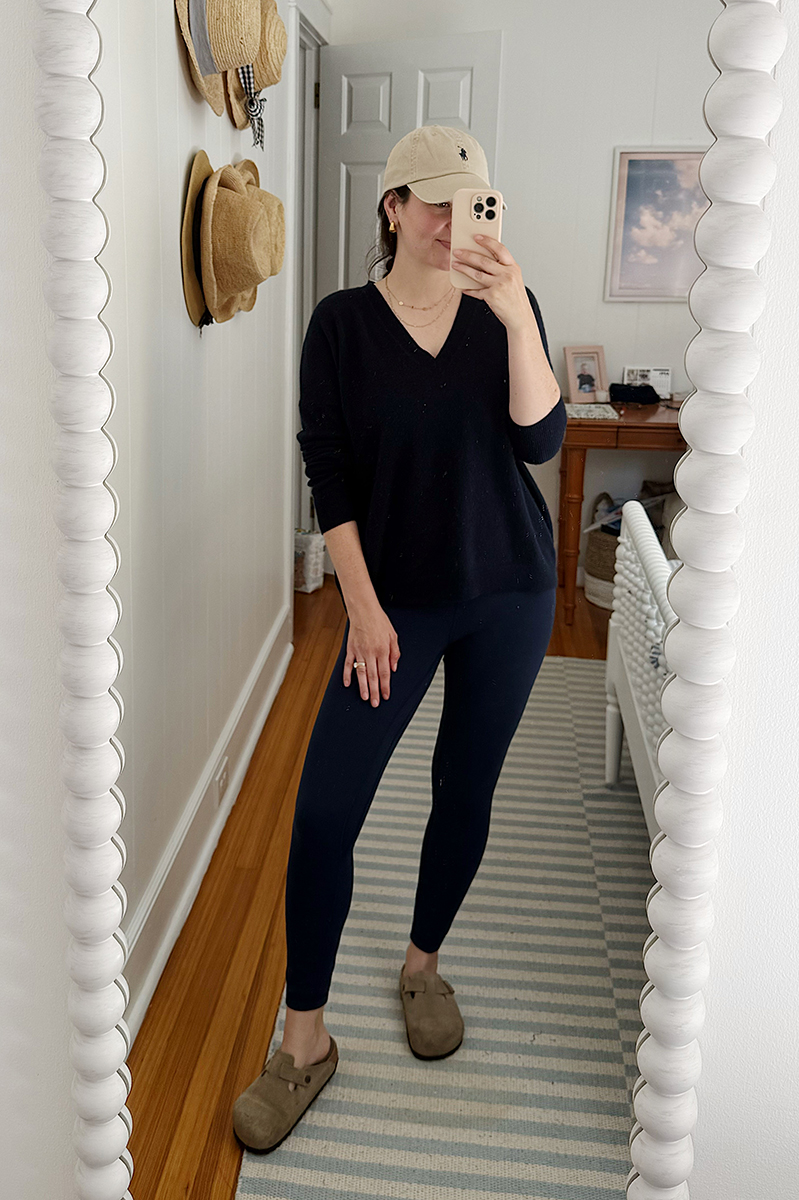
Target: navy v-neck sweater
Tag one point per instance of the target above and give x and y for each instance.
(421, 451)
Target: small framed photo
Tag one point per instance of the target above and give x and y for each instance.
(658, 377)
(586, 373)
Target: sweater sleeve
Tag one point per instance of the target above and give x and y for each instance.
(324, 440)
(540, 441)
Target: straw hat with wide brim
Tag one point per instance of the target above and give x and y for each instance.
(267, 65)
(201, 170)
(219, 35)
(275, 215)
(232, 239)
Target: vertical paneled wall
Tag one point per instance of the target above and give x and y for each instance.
(201, 427)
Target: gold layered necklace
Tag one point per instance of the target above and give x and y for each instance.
(443, 303)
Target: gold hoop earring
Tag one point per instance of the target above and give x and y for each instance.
(392, 228)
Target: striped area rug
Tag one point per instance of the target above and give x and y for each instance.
(545, 959)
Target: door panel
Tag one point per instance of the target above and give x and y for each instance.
(371, 95)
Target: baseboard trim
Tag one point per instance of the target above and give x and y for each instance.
(160, 916)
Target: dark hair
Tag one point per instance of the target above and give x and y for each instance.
(386, 244)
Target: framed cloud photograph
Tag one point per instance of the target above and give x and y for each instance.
(657, 200)
(585, 370)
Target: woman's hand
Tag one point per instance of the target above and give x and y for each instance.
(373, 640)
(498, 280)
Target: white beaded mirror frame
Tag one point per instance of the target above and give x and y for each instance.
(745, 42)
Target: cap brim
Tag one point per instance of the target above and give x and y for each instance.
(444, 187)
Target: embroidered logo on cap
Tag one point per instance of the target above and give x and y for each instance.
(463, 154)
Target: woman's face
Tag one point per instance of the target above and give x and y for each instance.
(423, 229)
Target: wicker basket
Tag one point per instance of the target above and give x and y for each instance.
(600, 567)
(309, 560)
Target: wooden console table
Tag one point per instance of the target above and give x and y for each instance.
(650, 427)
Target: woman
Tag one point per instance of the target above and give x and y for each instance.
(420, 404)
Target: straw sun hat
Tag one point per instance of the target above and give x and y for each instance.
(267, 65)
(232, 239)
(220, 35)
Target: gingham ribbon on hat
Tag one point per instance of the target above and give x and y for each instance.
(253, 104)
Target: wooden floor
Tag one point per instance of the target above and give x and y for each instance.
(207, 1031)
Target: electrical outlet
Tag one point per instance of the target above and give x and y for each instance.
(220, 779)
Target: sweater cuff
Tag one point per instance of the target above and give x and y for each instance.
(333, 506)
(539, 442)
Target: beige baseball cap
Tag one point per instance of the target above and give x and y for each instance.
(434, 161)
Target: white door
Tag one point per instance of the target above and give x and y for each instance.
(370, 95)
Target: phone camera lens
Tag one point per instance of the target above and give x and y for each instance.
(490, 214)
(491, 200)
(478, 208)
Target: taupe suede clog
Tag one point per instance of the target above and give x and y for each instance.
(267, 1111)
(433, 1020)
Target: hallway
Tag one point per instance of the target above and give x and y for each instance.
(207, 1030)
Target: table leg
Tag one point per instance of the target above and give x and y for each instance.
(574, 481)
(561, 517)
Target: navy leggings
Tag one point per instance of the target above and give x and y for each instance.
(492, 647)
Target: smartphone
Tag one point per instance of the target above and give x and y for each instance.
(473, 211)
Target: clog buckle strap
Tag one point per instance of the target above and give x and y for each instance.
(280, 1066)
(436, 985)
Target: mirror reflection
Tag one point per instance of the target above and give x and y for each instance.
(404, 945)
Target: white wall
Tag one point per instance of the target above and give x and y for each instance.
(35, 1115)
(577, 80)
(202, 427)
(748, 1131)
(205, 478)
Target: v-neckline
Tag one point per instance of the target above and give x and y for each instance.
(406, 339)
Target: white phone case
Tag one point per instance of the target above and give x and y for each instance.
(469, 210)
